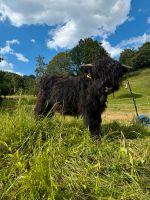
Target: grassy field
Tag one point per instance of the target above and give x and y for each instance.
(57, 159)
(121, 106)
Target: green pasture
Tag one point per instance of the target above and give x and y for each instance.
(57, 159)
(140, 85)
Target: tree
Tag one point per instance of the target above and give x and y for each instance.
(59, 65)
(126, 57)
(10, 83)
(16, 81)
(40, 66)
(29, 84)
(87, 51)
(137, 58)
(66, 63)
(142, 57)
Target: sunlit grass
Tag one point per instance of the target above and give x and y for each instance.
(56, 158)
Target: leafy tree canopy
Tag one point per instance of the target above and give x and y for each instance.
(142, 57)
(137, 59)
(87, 51)
(11, 83)
(126, 57)
(66, 63)
(29, 84)
(59, 65)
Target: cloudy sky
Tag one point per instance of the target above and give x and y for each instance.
(32, 27)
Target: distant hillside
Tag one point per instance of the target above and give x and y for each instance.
(140, 84)
(11, 83)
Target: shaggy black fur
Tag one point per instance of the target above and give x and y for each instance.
(81, 95)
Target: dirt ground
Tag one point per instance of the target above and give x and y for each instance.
(119, 116)
(123, 116)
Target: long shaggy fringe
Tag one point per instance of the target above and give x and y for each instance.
(81, 95)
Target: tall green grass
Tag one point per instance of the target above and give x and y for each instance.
(140, 84)
(56, 159)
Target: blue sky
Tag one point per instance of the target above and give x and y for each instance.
(33, 27)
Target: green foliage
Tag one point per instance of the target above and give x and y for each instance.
(126, 57)
(66, 63)
(137, 58)
(11, 83)
(142, 57)
(87, 51)
(29, 84)
(59, 65)
(57, 159)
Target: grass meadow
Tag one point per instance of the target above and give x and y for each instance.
(56, 158)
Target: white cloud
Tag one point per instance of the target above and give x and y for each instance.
(60, 39)
(8, 50)
(32, 40)
(134, 43)
(113, 51)
(5, 66)
(10, 42)
(73, 19)
(21, 57)
(130, 19)
(8, 67)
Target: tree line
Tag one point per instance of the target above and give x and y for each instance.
(86, 51)
(11, 83)
(68, 63)
(137, 59)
